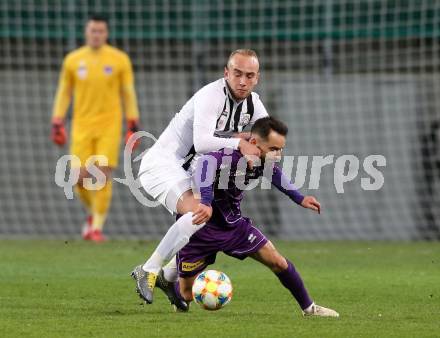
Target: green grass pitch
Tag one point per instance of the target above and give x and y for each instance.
(77, 289)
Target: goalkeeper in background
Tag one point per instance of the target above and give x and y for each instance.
(99, 78)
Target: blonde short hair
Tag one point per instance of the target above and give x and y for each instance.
(242, 51)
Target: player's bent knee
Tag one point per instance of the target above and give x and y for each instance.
(280, 263)
(277, 262)
(270, 257)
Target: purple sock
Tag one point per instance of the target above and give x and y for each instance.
(292, 281)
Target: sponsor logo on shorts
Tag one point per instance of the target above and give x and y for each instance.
(251, 238)
(190, 266)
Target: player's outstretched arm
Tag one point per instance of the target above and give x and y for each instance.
(310, 202)
(283, 184)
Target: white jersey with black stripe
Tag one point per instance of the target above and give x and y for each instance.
(211, 109)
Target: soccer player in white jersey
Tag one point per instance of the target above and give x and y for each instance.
(224, 106)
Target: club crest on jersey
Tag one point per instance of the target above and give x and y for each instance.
(82, 71)
(244, 120)
(108, 70)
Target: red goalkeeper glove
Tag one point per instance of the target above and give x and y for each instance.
(132, 127)
(58, 133)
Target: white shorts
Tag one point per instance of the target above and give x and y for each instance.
(163, 177)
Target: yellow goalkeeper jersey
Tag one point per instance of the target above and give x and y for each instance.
(100, 83)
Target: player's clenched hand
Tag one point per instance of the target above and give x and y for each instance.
(202, 214)
(249, 150)
(132, 127)
(310, 202)
(58, 134)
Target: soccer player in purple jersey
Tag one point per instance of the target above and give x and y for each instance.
(228, 230)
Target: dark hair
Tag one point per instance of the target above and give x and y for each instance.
(98, 17)
(265, 125)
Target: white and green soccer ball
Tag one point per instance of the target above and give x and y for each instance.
(212, 289)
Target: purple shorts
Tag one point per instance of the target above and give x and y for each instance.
(238, 241)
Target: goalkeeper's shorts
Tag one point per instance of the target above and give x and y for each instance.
(86, 146)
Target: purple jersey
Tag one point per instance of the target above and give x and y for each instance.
(228, 171)
(221, 177)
